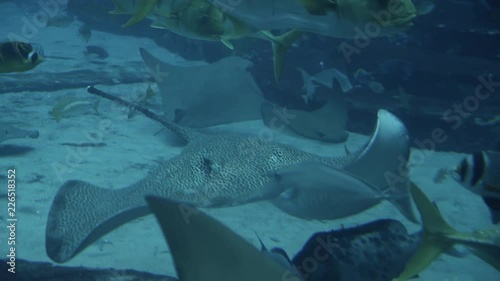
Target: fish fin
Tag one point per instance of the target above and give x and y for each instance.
(305, 76)
(157, 25)
(95, 107)
(347, 150)
(389, 141)
(149, 92)
(69, 230)
(487, 254)
(439, 236)
(280, 46)
(119, 10)
(430, 247)
(178, 115)
(262, 246)
(308, 85)
(141, 13)
(198, 241)
(227, 44)
(319, 7)
(56, 115)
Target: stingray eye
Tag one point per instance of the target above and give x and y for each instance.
(33, 57)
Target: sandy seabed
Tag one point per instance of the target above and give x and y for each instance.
(132, 149)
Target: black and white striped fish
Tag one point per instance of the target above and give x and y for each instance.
(479, 172)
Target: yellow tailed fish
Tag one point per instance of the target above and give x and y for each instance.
(199, 19)
(144, 8)
(18, 57)
(439, 236)
(211, 20)
(70, 106)
(141, 101)
(334, 18)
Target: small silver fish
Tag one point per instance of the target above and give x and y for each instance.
(141, 101)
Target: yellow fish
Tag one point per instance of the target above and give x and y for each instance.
(70, 106)
(438, 236)
(141, 101)
(211, 20)
(18, 57)
(199, 19)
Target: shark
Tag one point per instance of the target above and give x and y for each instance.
(205, 249)
(213, 170)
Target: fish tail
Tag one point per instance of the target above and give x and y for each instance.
(57, 117)
(81, 213)
(143, 11)
(438, 237)
(95, 107)
(280, 47)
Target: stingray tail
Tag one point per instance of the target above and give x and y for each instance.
(81, 213)
(281, 44)
(439, 236)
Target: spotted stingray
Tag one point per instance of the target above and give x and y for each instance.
(213, 170)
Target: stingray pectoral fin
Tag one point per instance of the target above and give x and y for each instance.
(81, 213)
(383, 160)
(313, 190)
(280, 47)
(204, 249)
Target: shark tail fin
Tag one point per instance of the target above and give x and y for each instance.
(281, 44)
(197, 240)
(439, 236)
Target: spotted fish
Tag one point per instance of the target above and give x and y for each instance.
(212, 171)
